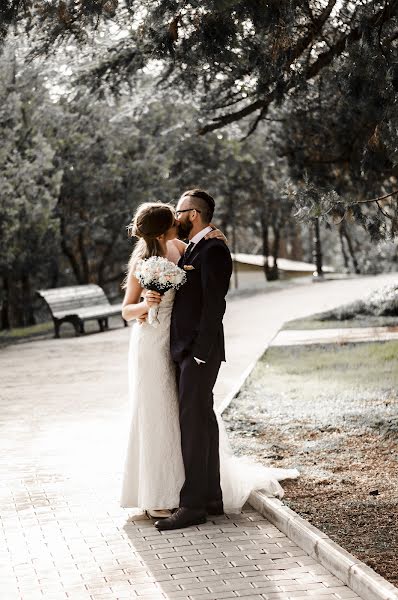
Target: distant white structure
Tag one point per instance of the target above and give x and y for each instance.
(249, 269)
(296, 267)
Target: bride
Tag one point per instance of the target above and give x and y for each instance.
(154, 471)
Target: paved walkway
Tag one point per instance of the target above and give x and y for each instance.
(296, 337)
(63, 428)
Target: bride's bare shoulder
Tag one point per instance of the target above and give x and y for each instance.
(178, 245)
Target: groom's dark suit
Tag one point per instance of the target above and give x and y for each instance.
(197, 331)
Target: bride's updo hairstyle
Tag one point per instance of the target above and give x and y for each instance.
(151, 220)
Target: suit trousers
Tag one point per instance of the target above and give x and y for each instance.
(199, 430)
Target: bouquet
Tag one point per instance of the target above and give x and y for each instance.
(158, 274)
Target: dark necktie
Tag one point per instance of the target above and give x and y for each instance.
(188, 250)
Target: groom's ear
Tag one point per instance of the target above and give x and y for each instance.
(195, 216)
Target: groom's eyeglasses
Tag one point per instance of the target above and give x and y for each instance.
(179, 212)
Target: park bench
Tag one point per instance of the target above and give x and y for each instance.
(79, 303)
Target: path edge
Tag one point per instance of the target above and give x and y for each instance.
(363, 580)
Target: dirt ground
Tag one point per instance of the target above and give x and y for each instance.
(331, 412)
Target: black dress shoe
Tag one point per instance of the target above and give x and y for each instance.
(183, 517)
(215, 508)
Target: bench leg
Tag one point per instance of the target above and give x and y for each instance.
(57, 326)
(74, 320)
(77, 324)
(103, 323)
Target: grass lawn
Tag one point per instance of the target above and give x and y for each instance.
(46, 330)
(332, 412)
(19, 333)
(361, 321)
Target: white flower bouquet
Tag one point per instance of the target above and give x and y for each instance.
(158, 274)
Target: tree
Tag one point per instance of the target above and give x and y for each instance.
(29, 182)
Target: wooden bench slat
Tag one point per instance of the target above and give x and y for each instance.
(73, 290)
(69, 306)
(85, 312)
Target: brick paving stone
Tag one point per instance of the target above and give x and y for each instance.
(63, 435)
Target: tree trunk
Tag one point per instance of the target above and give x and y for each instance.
(54, 273)
(27, 305)
(105, 257)
(343, 252)
(265, 240)
(5, 304)
(317, 250)
(297, 246)
(236, 282)
(351, 249)
(274, 271)
(83, 256)
(15, 303)
(69, 253)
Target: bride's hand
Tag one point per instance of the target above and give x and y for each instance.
(152, 298)
(216, 233)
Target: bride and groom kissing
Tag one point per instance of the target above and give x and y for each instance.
(175, 467)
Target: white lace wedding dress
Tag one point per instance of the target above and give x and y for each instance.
(154, 471)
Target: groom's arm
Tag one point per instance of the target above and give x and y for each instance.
(216, 270)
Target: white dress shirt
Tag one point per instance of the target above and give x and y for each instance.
(196, 238)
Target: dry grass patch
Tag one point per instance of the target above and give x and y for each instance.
(332, 412)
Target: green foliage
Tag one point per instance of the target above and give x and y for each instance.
(329, 67)
(30, 183)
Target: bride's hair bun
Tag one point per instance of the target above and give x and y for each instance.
(151, 220)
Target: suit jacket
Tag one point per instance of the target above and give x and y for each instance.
(199, 305)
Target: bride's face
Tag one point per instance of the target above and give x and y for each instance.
(171, 233)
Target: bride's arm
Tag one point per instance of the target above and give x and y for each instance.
(132, 307)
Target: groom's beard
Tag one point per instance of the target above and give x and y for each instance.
(184, 229)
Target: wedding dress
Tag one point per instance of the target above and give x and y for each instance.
(153, 471)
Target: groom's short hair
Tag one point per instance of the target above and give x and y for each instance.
(205, 203)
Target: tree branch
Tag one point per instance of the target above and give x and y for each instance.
(383, 212)
(376, 199)
(317, 25)
(323, 60)
(223, 120)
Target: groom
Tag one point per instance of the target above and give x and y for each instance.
(197, 348)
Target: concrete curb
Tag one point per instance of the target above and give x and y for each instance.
(355, 574)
